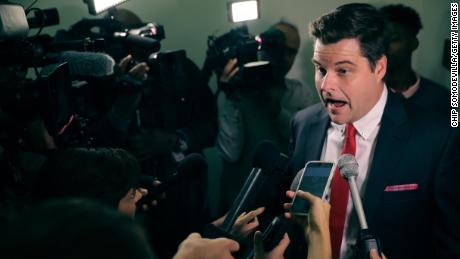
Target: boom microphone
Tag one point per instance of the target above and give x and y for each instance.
(88, 64)
(349, 170)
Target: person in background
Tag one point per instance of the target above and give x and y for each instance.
(246, 117)
(108, 175)
(404, 25)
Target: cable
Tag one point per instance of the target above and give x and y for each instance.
(32, 4)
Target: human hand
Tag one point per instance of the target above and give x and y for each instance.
(149, 202)
(127, 204)
(229, 71)
(275, 253)
(196, 247)
(139, 71)
(316, 224)
(318, 216)
(244, 225)
(375, 255)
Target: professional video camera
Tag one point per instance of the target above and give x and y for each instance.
(50, 95)
(256, 55)
(25, 99)
(237, 43)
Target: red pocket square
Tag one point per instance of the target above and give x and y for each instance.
(402, 187)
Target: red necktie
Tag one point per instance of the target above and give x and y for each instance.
(339, 195)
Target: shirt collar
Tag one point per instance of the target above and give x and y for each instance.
(412, 89)
(367, 124)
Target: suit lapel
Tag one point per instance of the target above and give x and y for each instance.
(317, 129)
(391, 143)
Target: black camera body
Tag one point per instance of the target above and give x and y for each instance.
(237, 43)
(257, 57)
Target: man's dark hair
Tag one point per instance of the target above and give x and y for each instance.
(353, 21)
(73, 228)
(104, 174)
(403, 15)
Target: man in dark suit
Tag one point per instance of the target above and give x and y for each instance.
(406, 156)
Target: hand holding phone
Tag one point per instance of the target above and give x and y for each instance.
(316, 179)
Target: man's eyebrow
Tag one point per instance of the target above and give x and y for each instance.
(315, 61)
(336, 63)
(344, 62)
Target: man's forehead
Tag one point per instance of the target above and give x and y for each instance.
(343, 49)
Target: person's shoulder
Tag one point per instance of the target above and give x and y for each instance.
(310, 114)
(433, 89)
(428, 82)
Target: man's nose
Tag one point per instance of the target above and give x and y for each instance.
(329, 83)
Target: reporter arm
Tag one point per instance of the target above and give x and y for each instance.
(446, 191)
(196, 247)
(316, 225)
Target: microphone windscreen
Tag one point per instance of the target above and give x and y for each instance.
(192, 165)
(348, 165)
(88, 64)
(266, 156)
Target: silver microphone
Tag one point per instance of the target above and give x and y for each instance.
(349, 170)
(366, 242)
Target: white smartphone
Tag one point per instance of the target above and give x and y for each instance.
(316, 179)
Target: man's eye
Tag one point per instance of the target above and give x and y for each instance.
(321, 70)
(343, 71)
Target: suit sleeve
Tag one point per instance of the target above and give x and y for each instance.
(447, 198)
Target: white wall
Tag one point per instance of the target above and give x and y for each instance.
(189, 22)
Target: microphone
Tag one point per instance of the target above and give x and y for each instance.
(88, 64)
(192, 166)
(349, 170)
(267, 161)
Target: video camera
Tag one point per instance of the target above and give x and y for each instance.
(25, 99)
(256, 57)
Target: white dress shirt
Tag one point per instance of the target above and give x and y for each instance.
(367, 129)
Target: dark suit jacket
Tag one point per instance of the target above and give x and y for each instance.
(413, 146)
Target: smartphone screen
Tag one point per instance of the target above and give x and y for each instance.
(315, 179)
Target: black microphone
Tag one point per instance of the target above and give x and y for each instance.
(88, 64)
(192, 166)
(349, 170)
(267, 161)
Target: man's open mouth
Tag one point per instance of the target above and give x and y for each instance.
(334, 102)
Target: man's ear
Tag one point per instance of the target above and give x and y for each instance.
(381, 67)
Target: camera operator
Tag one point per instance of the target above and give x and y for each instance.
(247, 117)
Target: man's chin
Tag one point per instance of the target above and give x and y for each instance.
(338, 118)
